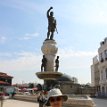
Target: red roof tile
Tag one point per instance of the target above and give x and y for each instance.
(5, 75)
(2, 82)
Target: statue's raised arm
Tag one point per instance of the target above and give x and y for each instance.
(49, 11)
(51, 24)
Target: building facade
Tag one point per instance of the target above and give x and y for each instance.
(5, 80)
(95, 74)
(99, 70)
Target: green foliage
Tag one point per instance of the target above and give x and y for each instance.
(31, 85)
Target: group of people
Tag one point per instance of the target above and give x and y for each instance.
(44, 63)
(54, 98)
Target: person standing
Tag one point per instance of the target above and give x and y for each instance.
(41, 100)
(55, 98)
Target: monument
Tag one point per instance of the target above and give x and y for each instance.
(50, 62)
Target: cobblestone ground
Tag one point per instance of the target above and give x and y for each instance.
(17, 103)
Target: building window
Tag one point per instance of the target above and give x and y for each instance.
(101, 57)
(102, 43)
(101, 75)
(105, 53)
(106, 73)
(103, 90)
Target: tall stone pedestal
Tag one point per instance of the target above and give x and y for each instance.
(49, 49)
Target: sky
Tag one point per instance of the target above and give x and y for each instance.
(81, 24)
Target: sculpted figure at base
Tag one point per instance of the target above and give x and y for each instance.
(51, 24)
(44, 63)
(57, 63)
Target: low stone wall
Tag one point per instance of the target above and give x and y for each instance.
(71, 102)
(75, 102)
(26, 98)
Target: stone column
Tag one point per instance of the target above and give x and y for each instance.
(49, 49)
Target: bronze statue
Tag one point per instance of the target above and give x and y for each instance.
(51, 24)
(57, 63)
(44, 63)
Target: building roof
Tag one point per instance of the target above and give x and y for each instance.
(5, 75)
(2, 82)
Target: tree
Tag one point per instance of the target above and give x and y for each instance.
(31, 85)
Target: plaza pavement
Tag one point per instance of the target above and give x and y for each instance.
(100, 102)
(17, 103)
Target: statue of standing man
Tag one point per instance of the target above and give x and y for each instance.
(57, 63)
(44, 64)
(51, 24)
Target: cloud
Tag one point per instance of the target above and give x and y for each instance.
(77, 64)
(30, 61)
(23, 66)
(86, 12)
(22, 61)
(95, 17)
(29, 36)
(2, 39)
(5, 54)
(72, 53)
(26, 64)
(76, 60)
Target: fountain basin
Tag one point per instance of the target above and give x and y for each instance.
(79, 101)
(48, 75)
